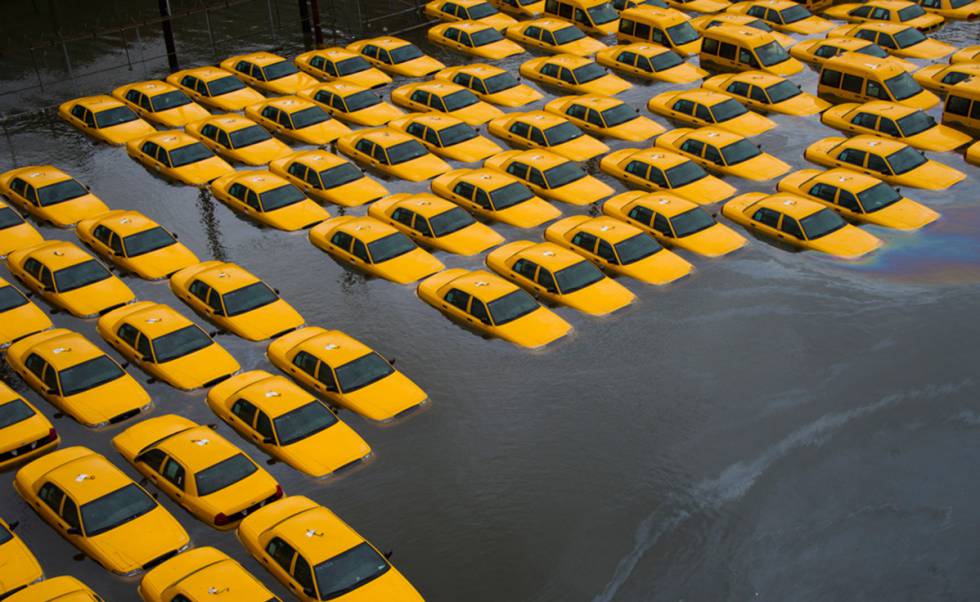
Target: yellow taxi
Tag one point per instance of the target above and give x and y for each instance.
(235, 300)
(346, 372)
(700, 6)
(618, 248)
(494, 196)
(20, 568)
(799, 223)
(268, 72)
(655, 169)
(767, 92)
(494, 307)
(609, 117)
(474, 38)
(328, 178)
(941, 78)
(520, 8)
(893, 161)
(100, 510)
(393, 153)
(445, 97)
(851, 77)
(859, 198)
(373, 247)
(550, 176)
(953, 9)
(287, 423)
(135, 243)
(296, 118)
(68, 278)
(201, 471)
(962, 107)
(705, 22)
(665, 26)
(597, 17)
(724, 152)
(819, 51)
(77, 377)
(541, 129)
(702, 107)
(897, 39)
(238, 138)
(490, 83)
(24, 434)
(215, 88)
(554, 35)
(894, 11)
(56, 589)
(435, 223)
(352, 103)
(973, 153)
(15, 233)
(19, 317)
(318, 557)
(199, 574)
(446, 136)
(968, 54)
(734, 48)
(574, 74)
(269, 199)
(912, 126)
(783, 15)
(178, 156)
(335, 63)
(161, 103)
(49, 195)
(166, 345)
(480, 11)
(559, 276)
(396, 56)
(674, 222)
(651, 62)
(104, 118)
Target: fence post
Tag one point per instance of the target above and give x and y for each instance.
(37, 72)
(139, 48)
(272, 24)
(304, 23)
(122, 34)
(168, 35)
(71, 74)
(317, 32)
(207, 21)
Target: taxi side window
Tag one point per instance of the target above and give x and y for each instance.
(641, 214)
(69, 513)
(759, 95)
(312, 178)
(317, 62)
(642, 31)
(402, 216)
(757, 11)
(152, 458)
(209, 131)
(483, 199)
(826, 52)
(457, 298)
(876, 90)
(78, 111)
(451, 33)
(51, 379)
(693, 146)
(33, 267)
(263, 425)
(270, 113)
(660, 224)
(518, 169)
(657, 177)
(525, 268)
(546, 280)
(576, 111)
(201, 87)
(338, 103)
(606, 252)
(878, 164)
(519, 128)
(132, 96)
(379, 153)
(957, 105)
(420, 96)
(792, 227)
(865, 120)
(955, 77)
(884, 40)
(727, 51)
(823, 191)
(89, 118)
(223, 139)
(464, 79)
(325, 376)
(766, 216)
(709, 46)
(143, 347)
(537, 137)
(303, 573)
(464, 189)
(342, 240)
(306, 362)
(35, 364)
(830, 77)
(637, 168)
(739, 88)
(145, 103)
(370, 50)
(479, 311)
(245, 411)
(852, 156)
(643, 64)
(199, 290)
(360, 251)
(861, 11)
(535, 177)
(711, 154)
(174, 472)
(852, 83)
(416, 129)
(745, 57)
(243, 67)
(879, 14)
(566, 76)
(848, 201)
(127, 333)
(252, 200)
(888, 126)
(281, 552)
(432, 137)
(102, 234)
(115, 243)
(702, 112)
(585, 241)
(51, 495)
(549, 69)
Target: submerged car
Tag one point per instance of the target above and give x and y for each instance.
(490, 83)
(297, 118)
(104, 118)
(446, 136)
(396, 56)
(160, 102)
(328, 178)
(445, 97)
(656, 169)
(336, 63)
(352, 103)
(550, 176)
(436, 223)
(238, 138)
(574, 74)
(496, 196)
(269, 199)
(605, 116)
(767, 92)
(724, 152)
(474, 38)
(557, 36)
(25, 433)
(19, 316)
(215, 88)
(912, 126)
(700, 107)
(49, 195)
(651, 62)
(893, 161)
(542, 129)
(268, 72)
(135, 243)
(199, 573)
(178, 156)
(393, 153)
(20, 568)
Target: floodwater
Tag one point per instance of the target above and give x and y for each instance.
(778, 426)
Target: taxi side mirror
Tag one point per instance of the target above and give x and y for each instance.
(12, 525)
(391, 361)
(268, 440)
(388, 554)
(73, 531)
(214, 333)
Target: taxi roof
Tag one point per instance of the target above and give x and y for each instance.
(702, 95)
(874, 144)
(539, 158)
(657, 156)
(261, 58)
(288, 103)
(432, 119)
(779, 5)
(893, 110)
(551, 24)
(596, 101)
(756, 77)
(197, 448)
(892, 4)
(539, 118)
(316, 159)
(482, 284)
(437, 87)
(171, 139)
(736, 18)
(792, 205)
(384, 136)
(973, 68)
(713, 135)
(63, 348)
(486, 178)
(124, 222)
(845, 178)
(864, 62)
(565, 60)
(39, 175)
(664, 203)
(318, 534)
(275, 395)
(550, 256)
(386, 42)
(334, 347)
(644, 48)
(366, 229)
(260, 180)
(207, 74)
(155, 319)
(425, 204)
(334, 53)
(340, 87)
(466, 25)
(228, 122)
(225, 277)
(151, 87)
(970, 87)
(467, 3)
(99, 102)
(608, 228)
(475, 69)
(654, 14)
(882, 26)
(739, 33)
(88, 477)
(57, 254)
(845, 43)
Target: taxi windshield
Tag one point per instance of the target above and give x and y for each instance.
(9, 217)
(253, 134)
(563, 174)
(13, 412)
(666, 60)
(459, 99)
(500, 82)
(617, 115)
(454, 134)
(304, 118)
(917, 122)
(508, 196)
(563, 132)
(511, 306)
(224, 85)
(794, 14)
(116, 508)
(902, 86)
(740, 151)
(147, 241)
(88, 375)
(348, 571)
(79, 275)
(588, 72)
(450, 221)
(822, 223)
(404, 53)
(878, 197)
(5, 535)
(727, 109)
(480, 11)
(485, 36)
(691, 222)
(180, 343)
(578, 276)
(873, 50)
(114, 116)
(361, 100)
(909, 36)
(636, 248)
(169, 100)
(389, 247)
(362, 372)
(682, 33)
(59, 192)
(685, 173)
(279, 70)
(910, 12)
(303, 422)
(192, 153)
(784, 90)
(405, 151)
(224, 473)
(568, 34)
(247, 298)
(10, 298)
(340, 175)
(906, 160)
(277, 198)
(771, 53)
(603, 13)
(760, 25)
(354, 64)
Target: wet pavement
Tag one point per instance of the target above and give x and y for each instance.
(776, 426)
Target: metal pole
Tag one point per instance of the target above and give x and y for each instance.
(317, 32)
(304, 22)
(37, 72)
(168, 35)
(139, 48)
(71, 74)
(272, 23)
(122, 34)
(207, 21)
